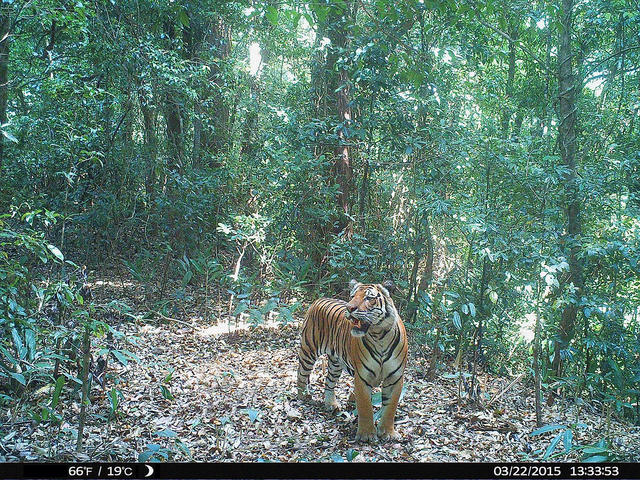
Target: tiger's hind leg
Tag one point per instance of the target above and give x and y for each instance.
(334, 370)
(307, 358)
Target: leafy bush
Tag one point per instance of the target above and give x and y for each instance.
(47, 323)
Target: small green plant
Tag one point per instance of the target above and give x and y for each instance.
(349, 455)
(564, 442)
(156, 452)
(164, 386)
(114, 401)
(565, 435)
(597, 452)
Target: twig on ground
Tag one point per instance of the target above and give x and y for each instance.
(505, 390)
(169, 319)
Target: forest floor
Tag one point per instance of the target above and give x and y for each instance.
(229, 395)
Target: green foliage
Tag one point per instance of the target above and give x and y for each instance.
(22, 299)
(353, 257)
(563, 442)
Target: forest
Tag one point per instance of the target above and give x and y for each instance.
(181, 179)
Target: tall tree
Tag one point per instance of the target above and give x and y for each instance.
(5, 23)
(218, 38)
(342, 166)
(149, 118)
(209, 43)
(173, 111)
(567, 118)
(332, 91)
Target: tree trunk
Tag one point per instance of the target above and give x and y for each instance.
(319, 78)
(427, 274)
(210, 140)
(417, 250)
(193, 38)
(517, 122)
(536, 359)
(173, 117)
(219, 39)
(5, 23)
(548, 109)
(173, 113)
(84, 376)
(364, 192)
(479, 331)
(343, 172)
(150, 142)
(128, 120)
(249, 137)
(251, 120)
(196, 149)
(482, 286)
(567, 116)
(330, 90)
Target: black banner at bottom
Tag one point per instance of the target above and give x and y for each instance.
(20, 471)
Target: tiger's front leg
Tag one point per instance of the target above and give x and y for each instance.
(366, 430)
(390, 397)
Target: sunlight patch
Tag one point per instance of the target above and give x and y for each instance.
(527, 329)
(596, 84)
(117, 284)
(233, 326)
(255, 59)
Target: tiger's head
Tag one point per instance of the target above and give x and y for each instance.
(370, 306)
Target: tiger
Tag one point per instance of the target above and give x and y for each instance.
(366, 337)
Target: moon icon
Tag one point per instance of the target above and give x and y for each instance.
(149, 470)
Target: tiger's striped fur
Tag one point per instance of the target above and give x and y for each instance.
(367, 338)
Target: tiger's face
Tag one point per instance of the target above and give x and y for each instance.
(367, 307)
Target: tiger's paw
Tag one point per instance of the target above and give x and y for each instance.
(365, 437)
(388, 435)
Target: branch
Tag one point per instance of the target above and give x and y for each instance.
(389, 32)
(52, 36)
(115, 132)
(516, 41)
(619, 52)
(17, 16)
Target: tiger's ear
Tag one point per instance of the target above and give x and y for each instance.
(389, 285)
(353, 284)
